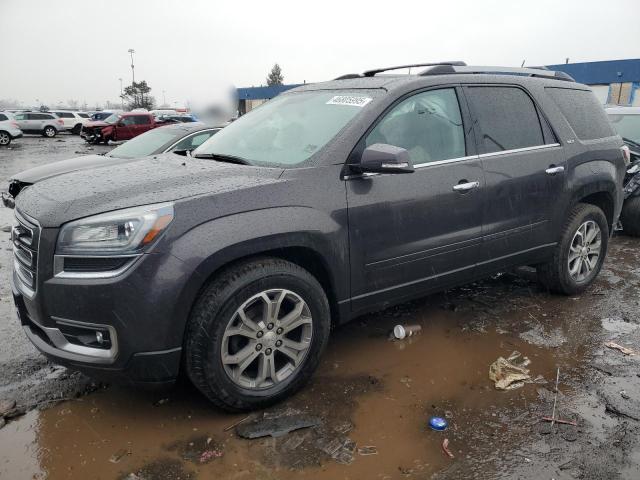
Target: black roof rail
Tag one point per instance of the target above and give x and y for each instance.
(539, 72)
(348, 76)
(371, 73)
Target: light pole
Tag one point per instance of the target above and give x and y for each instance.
(121, 97)
(133, 75)
(164, 99)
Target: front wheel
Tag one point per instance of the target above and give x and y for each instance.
(579, 254)
(256, 334)
(5, 138)
(50, 132)
(630, 217)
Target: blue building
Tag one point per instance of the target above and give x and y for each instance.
(251, 97)
(615, 82)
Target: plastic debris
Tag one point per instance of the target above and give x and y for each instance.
(438, 423)
(558, 420)
(615, 346)
(116, 457)
(367, 450)
(510, 373)
(445, 448)
(276, 427)
(340, 449)
(403, 331)
(209, 455)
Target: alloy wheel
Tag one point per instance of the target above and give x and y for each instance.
(267, 339)
(4, 138)
(585, 250)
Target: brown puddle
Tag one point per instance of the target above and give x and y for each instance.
(371, 390)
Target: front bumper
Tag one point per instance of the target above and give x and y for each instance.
(7, 200)
(15, 134)
(137, 312)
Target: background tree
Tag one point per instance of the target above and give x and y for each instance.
(275, 76)
(73, 104)
(137, 96)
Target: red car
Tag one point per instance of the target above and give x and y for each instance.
(119, 126)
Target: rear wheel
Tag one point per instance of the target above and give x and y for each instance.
(579, 255)
(5, 138)
(76, 129)
(630, 217)
(50, 132)
(256, 334)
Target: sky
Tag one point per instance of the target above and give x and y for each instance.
(78, 49)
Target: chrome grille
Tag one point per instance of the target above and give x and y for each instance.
(25, 237)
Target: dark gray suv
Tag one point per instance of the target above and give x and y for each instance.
(329, 201)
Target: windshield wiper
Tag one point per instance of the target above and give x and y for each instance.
(633, 142)
(223, 158)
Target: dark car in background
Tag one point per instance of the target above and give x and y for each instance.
(329, 201)
(178, 138)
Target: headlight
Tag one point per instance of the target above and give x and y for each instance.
(121, 232)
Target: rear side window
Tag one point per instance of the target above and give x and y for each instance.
(583, 112)
(83, 115)
(141, 120)
(3, 117)
(64, 114)
(507, 118)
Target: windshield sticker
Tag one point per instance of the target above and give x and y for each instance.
(349, 100)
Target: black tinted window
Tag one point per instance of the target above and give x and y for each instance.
(507, 118)
(3, 117)
(141, 120)
(64, 114)
(428, 125)
(583, 112)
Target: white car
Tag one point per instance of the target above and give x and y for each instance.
(9, 129)
(73, 121)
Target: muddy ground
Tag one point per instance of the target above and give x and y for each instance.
(371, 397)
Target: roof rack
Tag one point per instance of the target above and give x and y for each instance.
(371, 73)
(539, 72)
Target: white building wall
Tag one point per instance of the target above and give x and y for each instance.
(601, 92)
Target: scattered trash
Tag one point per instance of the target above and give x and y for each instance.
(367, 450)
(511, 373)
(343, 428)
(438, 423)
(276, 427)
(558, 420)
(116, 457)
(209, 455)
(615, 346)
(226, 429)
(555, 398)
(340, 449)
(6, 406)
(403, 331)
(294, 442)
(6, 228)
(445, 448)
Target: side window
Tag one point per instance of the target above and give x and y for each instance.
(3, 117)
(141, 120)
(428, 125)
(583, 111)
(507, 118)
(20, 116)
(128, 121)
(190, 143)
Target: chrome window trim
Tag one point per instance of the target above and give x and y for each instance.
(168, 149)
(444, 162)
(518, 150)
(59, 272)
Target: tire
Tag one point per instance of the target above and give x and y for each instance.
(557, 275)
(49, 131)
(216, 312)
(630, 217)
(76, 129)
(5, 138)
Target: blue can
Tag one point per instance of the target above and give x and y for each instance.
(438, 423)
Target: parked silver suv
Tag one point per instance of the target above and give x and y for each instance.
(8, 129)
(44, 123)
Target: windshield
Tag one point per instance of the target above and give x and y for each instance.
(146, 144)
(627, 126)
(113, 118)
(287, 130)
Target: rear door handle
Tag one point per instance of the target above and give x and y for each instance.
(463, 187)
(554, 170)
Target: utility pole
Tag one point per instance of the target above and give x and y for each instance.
(121, 97)
(133, 75)
(164, 99)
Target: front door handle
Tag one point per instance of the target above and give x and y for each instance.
(464, 187)
(553, 170)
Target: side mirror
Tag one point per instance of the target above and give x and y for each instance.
(383, 158)
(184, 153)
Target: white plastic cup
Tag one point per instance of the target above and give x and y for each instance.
(402, 331)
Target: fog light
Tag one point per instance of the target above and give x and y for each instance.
(99, 338)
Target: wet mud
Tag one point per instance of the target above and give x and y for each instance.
(373, 397)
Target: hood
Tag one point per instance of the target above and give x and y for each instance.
(156, 179)
(49, 170)
(96, 124)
